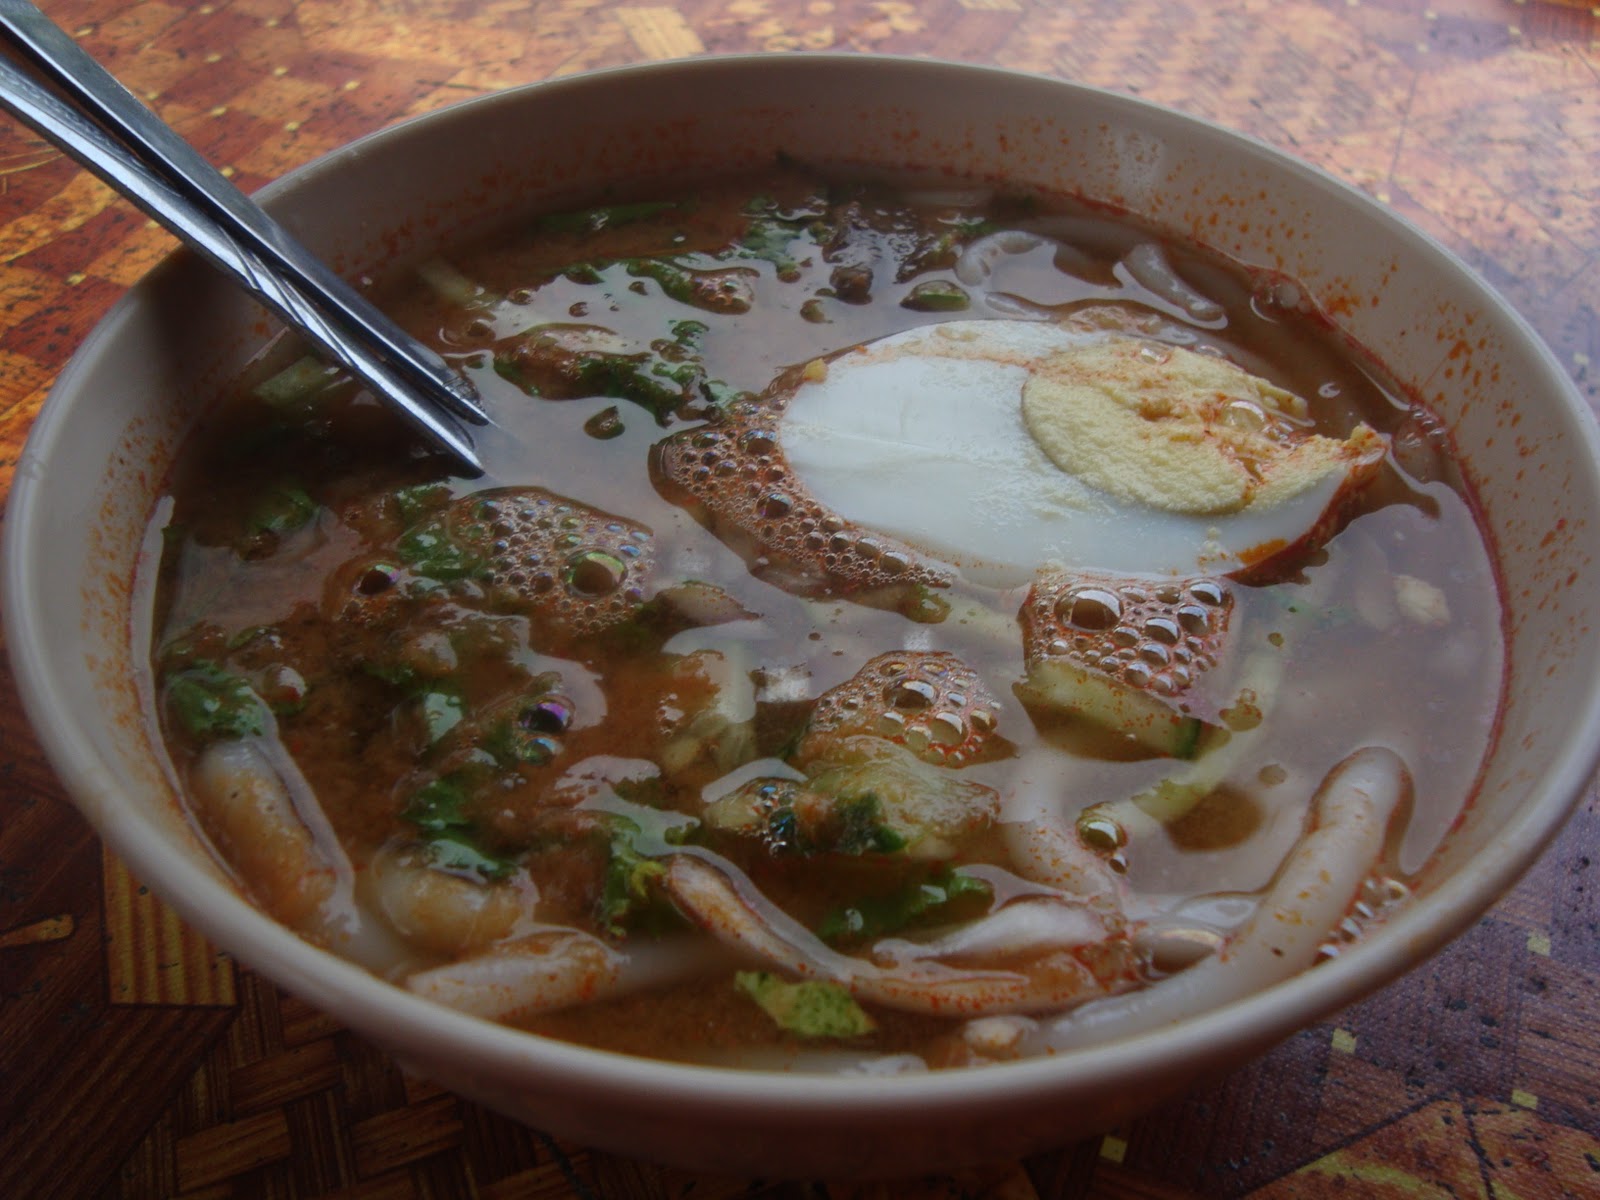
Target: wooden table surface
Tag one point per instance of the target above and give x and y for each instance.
(1476, 1076)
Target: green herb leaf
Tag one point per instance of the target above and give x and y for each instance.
(212, 703)
(919, 901)
(585, 272)
(439, 810)
(439, 806)
(861, 827)
(301, 382)
(627, 892)
(689, 334)
(421, 500)
(429, 550)
(936, 295)
(768, 239)
(811, 1008)
(629, 377)
(282, 508)
(514, 374)
(727, 290)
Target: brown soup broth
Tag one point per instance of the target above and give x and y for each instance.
(525, 697)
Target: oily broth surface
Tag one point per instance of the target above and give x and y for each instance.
(262, 596)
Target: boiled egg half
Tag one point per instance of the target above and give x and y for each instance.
(1003, 446)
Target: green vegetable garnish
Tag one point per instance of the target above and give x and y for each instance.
(627, 893)
(429, 550)
(438, 809)
(861, 828)
(299, 383)
(529, 730)
(589, 273)
(210, 703)
(940, 252)
(723, 291)
(282, 508)
(935, 295)
(811, 1008)
(420, 500)
(768, 239)
(439, 806)
(629, 377)
(774, 229)
(552, 361)
(688, 334)
(514, 374)
(882, 915)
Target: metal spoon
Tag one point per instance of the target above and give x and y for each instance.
(115, 136)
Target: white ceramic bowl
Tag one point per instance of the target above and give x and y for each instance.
(92, 471)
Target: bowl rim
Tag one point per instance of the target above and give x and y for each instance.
(387, 1013)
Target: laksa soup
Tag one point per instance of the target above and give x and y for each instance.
(898, 629)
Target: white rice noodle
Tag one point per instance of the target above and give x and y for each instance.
(554, 968)
(1031, 925)
(1007, 305)
(978, 259)
(1043, 845)
(253, 800)
(728, 906)
(440, 911)
(1046, 852)
(1148, 265)
(1311, 894)
(721, 732)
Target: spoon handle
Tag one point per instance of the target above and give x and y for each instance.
(144, 158)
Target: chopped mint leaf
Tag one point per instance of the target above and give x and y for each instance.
(811, 1008)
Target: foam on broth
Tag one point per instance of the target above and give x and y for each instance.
(597, 744)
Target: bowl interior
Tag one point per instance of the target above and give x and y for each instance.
(92, 474)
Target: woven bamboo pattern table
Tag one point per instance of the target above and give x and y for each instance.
(137, 1061)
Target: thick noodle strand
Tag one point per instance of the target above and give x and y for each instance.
(1311, 894)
